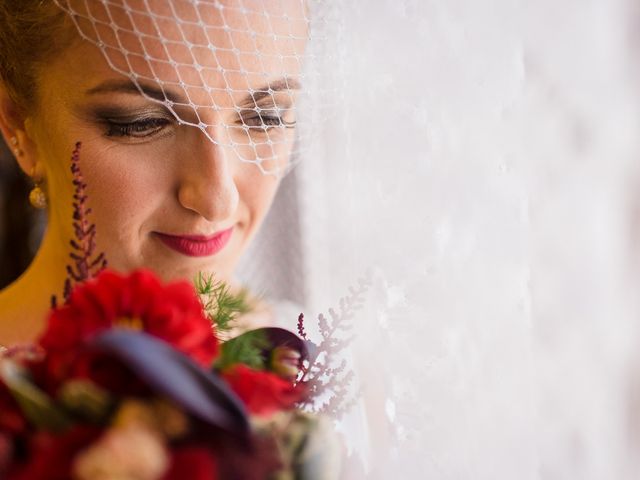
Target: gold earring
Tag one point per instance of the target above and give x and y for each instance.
(37, 197)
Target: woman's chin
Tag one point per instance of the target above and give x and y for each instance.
(169, 265)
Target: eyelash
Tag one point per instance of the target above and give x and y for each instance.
(137, 129)
(266, 122)
(150, 126)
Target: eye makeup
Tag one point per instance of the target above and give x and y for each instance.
(136, 128)
(126, 123)
(272, 111)
(270, 114)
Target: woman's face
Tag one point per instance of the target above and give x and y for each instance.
(164, 196)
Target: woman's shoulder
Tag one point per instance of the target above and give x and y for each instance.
(23, 313)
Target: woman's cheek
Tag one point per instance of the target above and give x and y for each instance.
(121, 200)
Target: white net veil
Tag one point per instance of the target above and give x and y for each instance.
(233, 69)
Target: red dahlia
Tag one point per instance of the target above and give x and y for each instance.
(138, 301)
(11, 419)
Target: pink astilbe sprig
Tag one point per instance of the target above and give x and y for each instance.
(86, 264)
(329, 381)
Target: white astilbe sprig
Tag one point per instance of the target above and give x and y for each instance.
(328, 374)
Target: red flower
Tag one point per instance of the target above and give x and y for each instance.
(137, 301)
(263, 392)
(51, 456)
(194, 463)
(6, 453)
(12, 420)
(13, 428)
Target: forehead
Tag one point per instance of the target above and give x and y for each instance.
(200, 46)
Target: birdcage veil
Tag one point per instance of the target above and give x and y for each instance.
(235, 70)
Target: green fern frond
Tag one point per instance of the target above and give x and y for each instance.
(220, 305)
(247, 349)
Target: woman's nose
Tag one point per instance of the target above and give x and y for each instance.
(208, 186)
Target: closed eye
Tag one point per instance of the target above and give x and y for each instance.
(142, 128)
(267, 119)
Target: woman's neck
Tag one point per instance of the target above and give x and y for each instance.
(25, 303)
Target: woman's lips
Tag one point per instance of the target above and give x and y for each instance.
(196, 245)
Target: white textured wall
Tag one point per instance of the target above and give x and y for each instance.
(482, 166)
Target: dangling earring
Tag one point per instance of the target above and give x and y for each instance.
(37, 197)
(16, 149)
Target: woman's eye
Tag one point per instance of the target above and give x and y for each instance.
(138, 128)
(266, 119)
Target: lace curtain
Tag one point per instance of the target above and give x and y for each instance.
(481, 164)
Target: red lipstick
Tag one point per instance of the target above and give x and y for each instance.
(196, 245)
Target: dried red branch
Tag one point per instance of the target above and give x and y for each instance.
(301, 331)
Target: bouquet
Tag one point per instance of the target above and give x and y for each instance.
(130, 380)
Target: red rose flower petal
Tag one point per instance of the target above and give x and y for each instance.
(263, 392)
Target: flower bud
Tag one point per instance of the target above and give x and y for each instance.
(285, 362)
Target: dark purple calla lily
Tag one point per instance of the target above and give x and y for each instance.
(280, 337)
(168, 372)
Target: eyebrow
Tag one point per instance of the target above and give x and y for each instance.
(253, 96)
(127, 86)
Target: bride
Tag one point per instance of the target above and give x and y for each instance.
(185, 114)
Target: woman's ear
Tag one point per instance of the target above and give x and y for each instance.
(13, 126)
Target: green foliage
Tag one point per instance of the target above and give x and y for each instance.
(223, 308)
(220, 305)
(246, 348)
